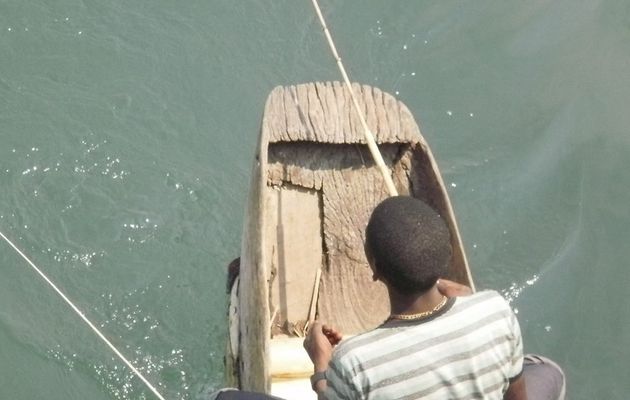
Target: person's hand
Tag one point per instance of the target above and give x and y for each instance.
(319, 344)
(452, 289)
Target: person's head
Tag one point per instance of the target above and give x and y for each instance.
(407, 244)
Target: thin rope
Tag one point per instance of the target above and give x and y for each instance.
(369, 136)
(84, 318)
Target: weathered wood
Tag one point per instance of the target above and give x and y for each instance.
(253, 306)
(286, 363)
(351, 187)
(294, 249)
(308, 164)
(314, 185)
(323, 112)
(349, 297)
(232, 372)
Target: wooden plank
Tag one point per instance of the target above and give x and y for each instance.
(346, 135)
(295, 128)
(316, 114)
(275, 109)
(329, 109)
(409, 129)
(356, 128)
(289, 360)
(304, 112)
(296, 253)
(370, 111)
(393, 117)
(324, 112)
(349, 298)
(382, 123)
(253, 307)
(253, 295)
(307, 164)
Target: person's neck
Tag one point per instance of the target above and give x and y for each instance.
(414, 303)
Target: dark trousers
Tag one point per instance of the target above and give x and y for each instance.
(544, 379)
(240, 395)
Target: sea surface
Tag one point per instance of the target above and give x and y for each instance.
(128, 128)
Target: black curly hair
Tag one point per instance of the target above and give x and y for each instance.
(408, 243)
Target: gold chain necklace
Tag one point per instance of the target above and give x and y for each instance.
(408, 317)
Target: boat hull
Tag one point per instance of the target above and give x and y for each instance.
(313, 187)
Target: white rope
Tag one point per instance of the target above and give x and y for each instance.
(369, 136)
(83, 317)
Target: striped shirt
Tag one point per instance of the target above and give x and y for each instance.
(469, 350)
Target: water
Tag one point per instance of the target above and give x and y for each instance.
(127, 132)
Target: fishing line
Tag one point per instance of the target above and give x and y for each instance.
(369, 136)
(84, 318)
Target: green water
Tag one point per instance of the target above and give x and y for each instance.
(127, 130)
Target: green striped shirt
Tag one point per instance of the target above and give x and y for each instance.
(470, 350)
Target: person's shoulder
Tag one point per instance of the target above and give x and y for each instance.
(486, 294)
(352, 346)
(487, 298)
(354, 341)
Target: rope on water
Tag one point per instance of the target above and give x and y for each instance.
(369, 136)
(84, 318)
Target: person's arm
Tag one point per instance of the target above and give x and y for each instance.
(516, 390)
(320, 388)
(319, 344)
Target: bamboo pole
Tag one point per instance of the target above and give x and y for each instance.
(369, 136)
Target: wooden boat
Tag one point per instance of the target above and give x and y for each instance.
(313, 187)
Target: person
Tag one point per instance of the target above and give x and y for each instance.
(544, 379)
(440, 340)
